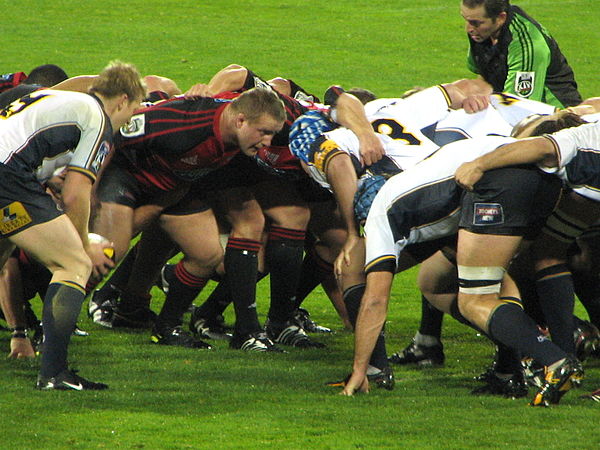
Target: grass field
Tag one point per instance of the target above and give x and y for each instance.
(177, 398)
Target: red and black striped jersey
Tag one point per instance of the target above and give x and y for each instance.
(174, 141)
(10, 80)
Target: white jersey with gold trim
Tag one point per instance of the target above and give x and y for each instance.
(50, 129)
(422, 203)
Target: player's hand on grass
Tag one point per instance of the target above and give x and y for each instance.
(21, 348)
(356, 383)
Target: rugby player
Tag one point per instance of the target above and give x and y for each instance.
(40, 132)
(420, 205)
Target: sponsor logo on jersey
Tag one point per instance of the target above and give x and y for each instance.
(135, 127)
(101, 154)
(14, 216)
(488, 214)
(524, 83)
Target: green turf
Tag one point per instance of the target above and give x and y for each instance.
(176, 398)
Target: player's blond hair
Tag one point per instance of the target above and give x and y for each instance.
(119, 78)
(255, 102)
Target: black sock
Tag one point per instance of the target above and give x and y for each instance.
(241, 268)
(554, 286)
(184, 287)
(352, 298)
(61, 308)
(218, 300)
(283, 255)
(313, 272)
(508, 360)
(509, 325)
(130, 302)
(431, 319)
(587, 288)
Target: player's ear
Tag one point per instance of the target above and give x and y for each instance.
(239, 120)
(501, 19)
(123, 102)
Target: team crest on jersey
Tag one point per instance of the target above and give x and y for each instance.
(488, 214)
(101, 154)
(135, 127)
(524, 83)
(260, 83)
(14, 216)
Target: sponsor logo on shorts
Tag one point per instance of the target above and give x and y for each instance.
(14, 216)
(524, 83)
(488, 214)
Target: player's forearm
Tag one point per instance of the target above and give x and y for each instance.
(342, 178)
(351, 114)
(81, 83)
(537, 150)
(369, 323)
(231, 78)
(76, 204)
(11, 294)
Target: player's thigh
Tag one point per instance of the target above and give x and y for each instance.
(282, 204)
(197, 235)
(485, 249)
(57, 246)
(242, 211)
(437, 275)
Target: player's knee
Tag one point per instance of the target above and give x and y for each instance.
(475, 283)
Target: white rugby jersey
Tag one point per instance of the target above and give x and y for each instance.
(422, 203)
(411, 129)
(399, 124)
(578, 151)
(50, 129)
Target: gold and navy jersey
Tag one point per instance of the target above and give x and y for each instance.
(48, 129)
(422, 203)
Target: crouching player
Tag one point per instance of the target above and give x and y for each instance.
(421, 205)
(39, 133)
(573, 156)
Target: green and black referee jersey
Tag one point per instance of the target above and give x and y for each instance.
(526, 61)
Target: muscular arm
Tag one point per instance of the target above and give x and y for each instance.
(351, 114)
(472, 95)
(76, 195)
(342, 178)
(527, 151)
(372, 315)
(80, 83)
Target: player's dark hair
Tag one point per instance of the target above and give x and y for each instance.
(255, 102)
(46, 75)
(364, 95)
(119, 78)
(493, 8)
(564, 119)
